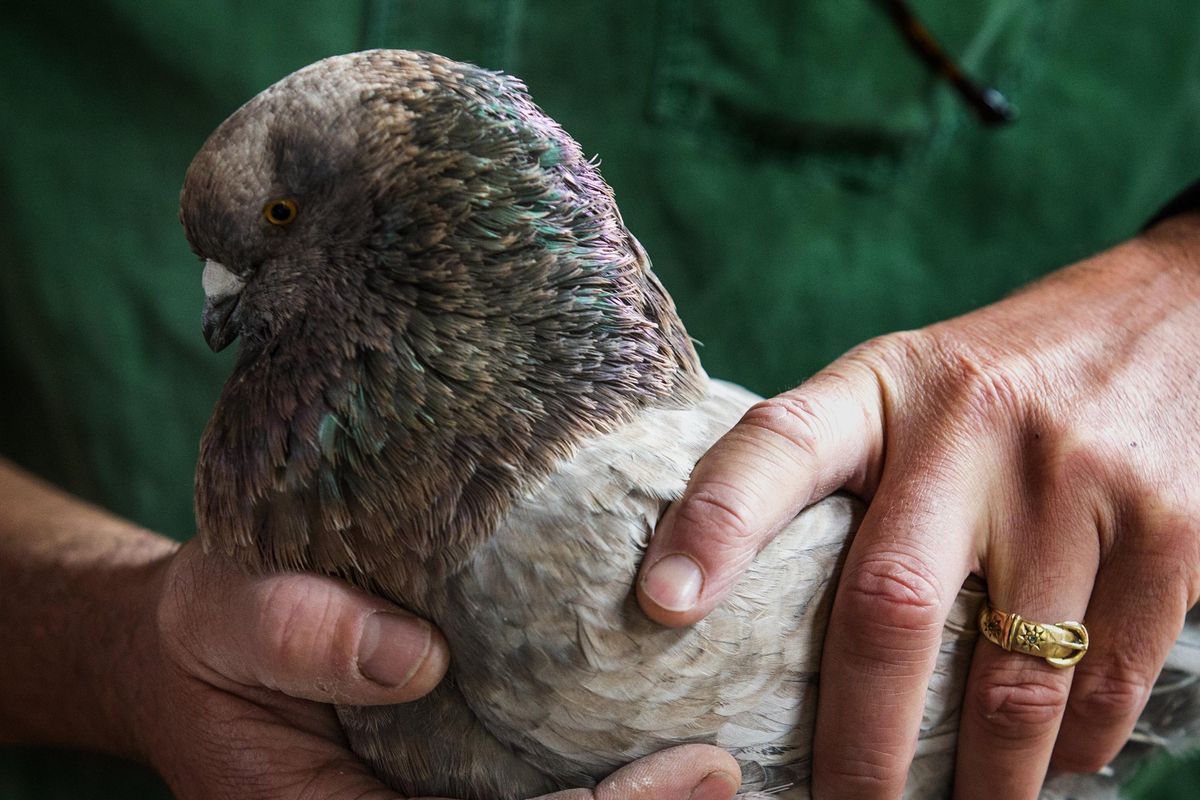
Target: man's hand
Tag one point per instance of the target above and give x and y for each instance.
(252, 664)
(1049, 443)
(116, 640)
(246, 667)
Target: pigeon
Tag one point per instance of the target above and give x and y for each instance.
(460, 386)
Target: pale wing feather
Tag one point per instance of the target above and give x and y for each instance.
(563, 676)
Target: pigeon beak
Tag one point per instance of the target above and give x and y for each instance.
(222, 290)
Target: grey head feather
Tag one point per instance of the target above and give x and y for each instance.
(456, 303)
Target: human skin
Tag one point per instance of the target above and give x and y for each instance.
(1046, 442)
(118, 640)
(1049, 443)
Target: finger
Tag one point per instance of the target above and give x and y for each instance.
(1014, 702)
(688, 772)
(1134, 616)
(901, 576)
(784, 453)
(305, 635)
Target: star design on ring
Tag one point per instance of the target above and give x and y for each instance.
(1031, 636)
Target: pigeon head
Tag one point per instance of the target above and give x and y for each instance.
(436, 298)
(306, 185)
(269, 201)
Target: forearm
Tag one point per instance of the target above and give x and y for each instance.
(76, 618)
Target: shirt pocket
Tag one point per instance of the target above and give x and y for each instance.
(834, 82)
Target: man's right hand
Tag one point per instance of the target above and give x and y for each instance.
(253, 662)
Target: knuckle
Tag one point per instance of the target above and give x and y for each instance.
(1076, 460)
(1110, 697)
(975, 384)
(866, 772)
(794, 418)
(1012, 705)
(292, 617)
(985, 392)
(1071, 462)
(893, 353)
(893, 603)
(717, 511)
(1172, 555)
(897, 591)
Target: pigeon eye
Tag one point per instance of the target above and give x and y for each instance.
(281, 212)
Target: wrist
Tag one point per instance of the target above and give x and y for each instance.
(128, 665)
(1141, 280)
(76, 620)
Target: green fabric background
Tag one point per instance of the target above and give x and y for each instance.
(800, 181)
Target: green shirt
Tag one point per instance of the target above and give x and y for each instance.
(799, 178)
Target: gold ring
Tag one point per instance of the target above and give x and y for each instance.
(1061, 644)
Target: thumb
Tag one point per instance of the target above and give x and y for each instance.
(686, 772)
(785, 453)
(307, 636)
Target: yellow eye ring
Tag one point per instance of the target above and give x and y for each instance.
(281, 212)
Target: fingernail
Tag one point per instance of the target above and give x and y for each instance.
(392, 648)
(715, 786)
(674, 582)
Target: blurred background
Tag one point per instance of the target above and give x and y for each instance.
(801, 180)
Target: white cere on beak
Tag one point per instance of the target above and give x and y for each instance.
(219, 282)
